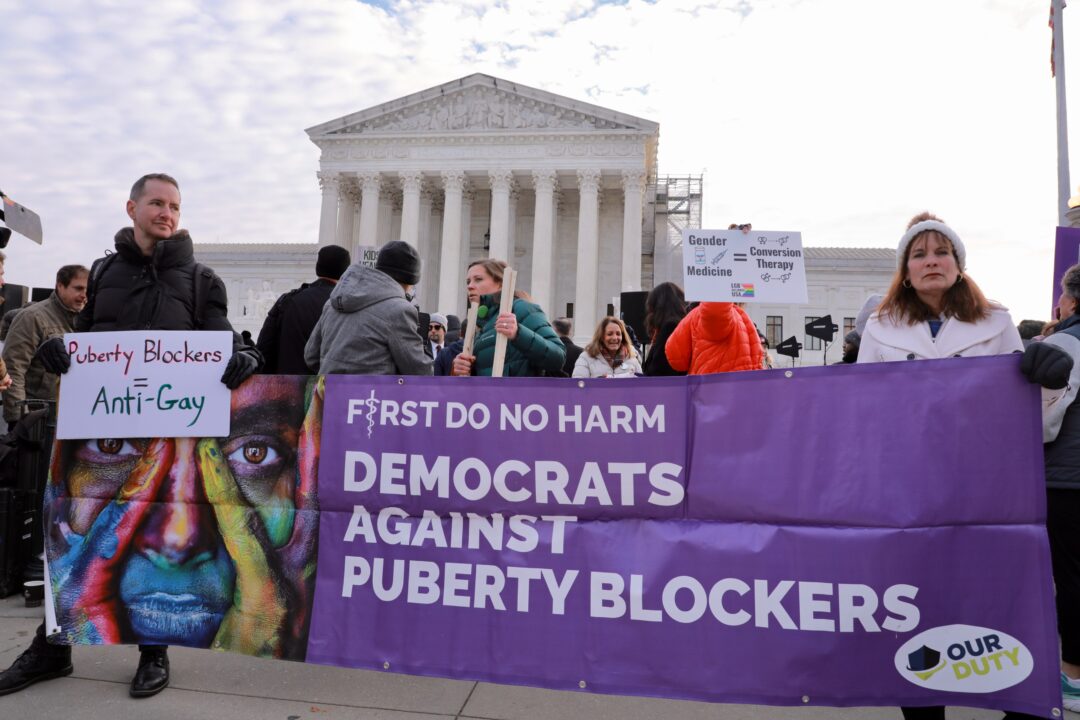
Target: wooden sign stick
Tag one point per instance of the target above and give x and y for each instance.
(506, 305)
(470, 329)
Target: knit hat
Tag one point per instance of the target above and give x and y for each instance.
(400, 261)
(853, 337)
(868, 308)
(437, 319)
(333, 261)
(938, 226)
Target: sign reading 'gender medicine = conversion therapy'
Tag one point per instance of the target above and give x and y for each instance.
(730, 265)
(145, 384)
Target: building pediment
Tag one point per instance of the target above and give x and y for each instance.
(480, 104)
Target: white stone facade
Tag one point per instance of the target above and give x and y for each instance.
(482, 167)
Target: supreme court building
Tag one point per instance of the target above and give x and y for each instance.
(566, 192)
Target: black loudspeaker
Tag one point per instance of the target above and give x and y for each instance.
(789, 347)
(633, 311)
(822, 329)
(39, 294)
(14, 296)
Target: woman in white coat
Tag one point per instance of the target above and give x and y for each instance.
(933, 310)
(610, 354)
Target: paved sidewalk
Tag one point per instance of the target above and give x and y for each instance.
(222, 685)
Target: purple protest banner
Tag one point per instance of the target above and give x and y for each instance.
(867, 535)
(1066, 254)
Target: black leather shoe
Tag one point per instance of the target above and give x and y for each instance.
(153, 674)
(34, 666)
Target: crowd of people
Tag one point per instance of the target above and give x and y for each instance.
(355, 319)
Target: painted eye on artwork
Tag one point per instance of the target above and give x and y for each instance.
(254, 453)
(111, 446)
(107, 451)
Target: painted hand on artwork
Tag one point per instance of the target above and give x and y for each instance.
(274, 581)
(85, 565)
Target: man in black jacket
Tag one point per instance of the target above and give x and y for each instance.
(289, 323)
(152, 282)
(563, 328)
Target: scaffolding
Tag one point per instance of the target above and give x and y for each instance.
(674, 205)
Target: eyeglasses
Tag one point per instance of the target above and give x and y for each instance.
(435, 326)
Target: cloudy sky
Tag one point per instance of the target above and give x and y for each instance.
(839, 118)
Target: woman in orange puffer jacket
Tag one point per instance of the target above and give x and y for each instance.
(715, 337)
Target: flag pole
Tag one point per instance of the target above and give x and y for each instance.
(1057, 65)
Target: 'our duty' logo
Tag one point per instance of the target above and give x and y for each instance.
(964, 658)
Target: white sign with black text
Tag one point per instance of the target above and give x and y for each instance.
(732, 265)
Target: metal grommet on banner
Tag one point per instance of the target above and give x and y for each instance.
(806, 698)
(401, 381)
(1056, 712)
(386, 665)
(581, 684)
(788, 373)
(581, 383)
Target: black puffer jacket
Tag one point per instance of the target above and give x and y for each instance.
(288, 326)
(156, 292)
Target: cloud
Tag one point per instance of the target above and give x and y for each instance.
(820, 116)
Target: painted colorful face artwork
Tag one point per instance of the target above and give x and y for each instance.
(204, 542)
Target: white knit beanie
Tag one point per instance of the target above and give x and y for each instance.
(936, 225)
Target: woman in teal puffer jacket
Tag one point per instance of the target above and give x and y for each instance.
(532, 347)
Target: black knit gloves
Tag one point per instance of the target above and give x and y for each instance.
(244, 363)
(54, 356)
(1046, 365)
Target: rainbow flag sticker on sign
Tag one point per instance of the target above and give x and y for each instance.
(742, 290)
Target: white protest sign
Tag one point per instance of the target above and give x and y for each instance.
(730, 265)
(145, 384)
(367, 255)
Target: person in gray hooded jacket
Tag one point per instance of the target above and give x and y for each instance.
(369, 326)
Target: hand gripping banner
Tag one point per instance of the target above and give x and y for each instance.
(864, 535)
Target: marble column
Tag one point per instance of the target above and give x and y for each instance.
(429, 255)
(511, 251)
(370, 184)
(349, 197)
(633, 182)
(389, 201)
(543, 250)
(588, 256)
(411, 185)
(556, 208)
(329, 184)
(468, 197)
(502, 182)
(450, 292)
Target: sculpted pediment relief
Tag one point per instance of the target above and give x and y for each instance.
(478, 109)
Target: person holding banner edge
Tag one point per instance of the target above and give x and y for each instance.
(151, 282)
(1061, 438)
(533, 347)
(934, 310)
